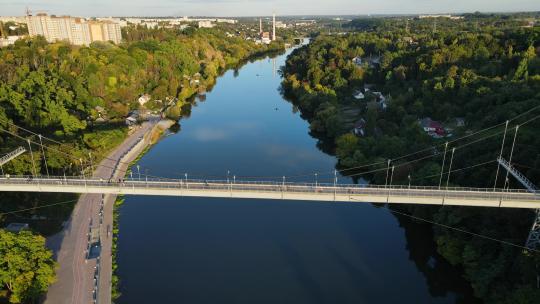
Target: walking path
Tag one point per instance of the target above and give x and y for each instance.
(75, 274)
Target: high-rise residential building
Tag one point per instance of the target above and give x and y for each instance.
(77, 31)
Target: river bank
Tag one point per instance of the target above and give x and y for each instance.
(74, 276)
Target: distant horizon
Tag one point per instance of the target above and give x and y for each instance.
(278, 15)
(258, 8)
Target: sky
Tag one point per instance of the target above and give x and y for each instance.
(86, 8)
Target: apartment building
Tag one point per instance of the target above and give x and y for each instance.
(77, 31)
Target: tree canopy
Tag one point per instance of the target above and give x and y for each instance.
(26, 267)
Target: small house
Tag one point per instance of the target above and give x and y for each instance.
(359, 95)
(130, 121)
(144, 99)
(381, 100)
(433, 128)
(359, 128)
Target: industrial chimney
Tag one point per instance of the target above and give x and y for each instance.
(274, 26)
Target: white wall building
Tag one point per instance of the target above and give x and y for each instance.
(77, 31)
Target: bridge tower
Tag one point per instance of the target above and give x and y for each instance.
(533, 240)
(11, 155)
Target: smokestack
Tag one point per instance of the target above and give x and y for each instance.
(274, 26)
(260, 26)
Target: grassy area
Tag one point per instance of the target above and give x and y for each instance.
(115, 280)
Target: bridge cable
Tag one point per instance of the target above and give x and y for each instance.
(70, 155)
(500, 155)
(435, 146)
(456, 170)
(39, 207)
(443, 161)
(463, 231)
(433, 155)
(55, 141)
(506, 182)
(367, 165)
(32, 156)
(44, 156)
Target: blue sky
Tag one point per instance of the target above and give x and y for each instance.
(260, 7)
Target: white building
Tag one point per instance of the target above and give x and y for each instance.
(206, 24)
(144, 99)
(9, 40)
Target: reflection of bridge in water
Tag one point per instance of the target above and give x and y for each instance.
(455, 196)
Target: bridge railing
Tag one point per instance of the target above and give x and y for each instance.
(289, 187)
(225, 183)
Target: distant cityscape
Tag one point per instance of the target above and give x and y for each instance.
(77, 31)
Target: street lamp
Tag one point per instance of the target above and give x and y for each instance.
(139, 171)
(316, 180)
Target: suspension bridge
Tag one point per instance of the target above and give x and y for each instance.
(399, 194)
(442, 195)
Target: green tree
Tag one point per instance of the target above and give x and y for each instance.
(26, 266)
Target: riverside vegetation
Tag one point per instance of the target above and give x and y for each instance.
(483, 69)
(79, 96)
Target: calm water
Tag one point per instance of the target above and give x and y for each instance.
(199, 250)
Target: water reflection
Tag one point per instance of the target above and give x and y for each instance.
(203, 250)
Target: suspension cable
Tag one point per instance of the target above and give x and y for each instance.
(511, 155)
(500, 155)
(39, 207)
(462, 230)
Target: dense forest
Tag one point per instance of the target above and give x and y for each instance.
(79, 96)
(367, 92)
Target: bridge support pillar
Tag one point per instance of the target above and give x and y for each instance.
(533, 240)
(534, 235)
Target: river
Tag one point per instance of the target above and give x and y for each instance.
(203, 250)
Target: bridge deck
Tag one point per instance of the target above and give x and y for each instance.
(273, 190)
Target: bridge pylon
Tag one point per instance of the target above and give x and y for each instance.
(533, 240)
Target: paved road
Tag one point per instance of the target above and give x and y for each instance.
(75, 275)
